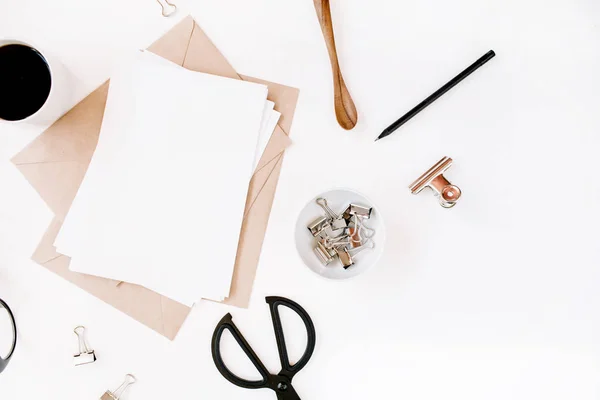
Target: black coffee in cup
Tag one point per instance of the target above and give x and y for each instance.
(25, 81)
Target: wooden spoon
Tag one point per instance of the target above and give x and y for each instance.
(345, 110)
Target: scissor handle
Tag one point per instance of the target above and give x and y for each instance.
(4, 361)
(226, 323)
(281, 383)
(286, 369)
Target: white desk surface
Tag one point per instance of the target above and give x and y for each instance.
(495, 299)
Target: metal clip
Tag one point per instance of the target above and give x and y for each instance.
(448, 193)
(359, 211)
(359, 232)
(337, 222)
(345, 257)
(367, 246)
(86, 355)
(319, 226)
(322, 253)
(354, 236)
(168, 8)
(116, 394)
(342, 235)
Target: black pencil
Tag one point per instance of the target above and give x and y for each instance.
(437, 94)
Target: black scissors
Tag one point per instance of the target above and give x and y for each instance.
(282, 382)
(13, 326)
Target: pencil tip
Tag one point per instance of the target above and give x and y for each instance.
(377, 139)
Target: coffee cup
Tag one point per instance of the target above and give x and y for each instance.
(33, 86)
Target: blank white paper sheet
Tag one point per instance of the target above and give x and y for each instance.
(163, 201)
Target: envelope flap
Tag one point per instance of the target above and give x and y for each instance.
(57, 183)
(56, 161)
(174, 44)
(203, 56)
(73, 137)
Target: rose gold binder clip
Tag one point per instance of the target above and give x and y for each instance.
(448, 193)
(168, 8)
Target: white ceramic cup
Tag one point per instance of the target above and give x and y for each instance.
(57, 102)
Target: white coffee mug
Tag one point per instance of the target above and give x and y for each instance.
(57, 98)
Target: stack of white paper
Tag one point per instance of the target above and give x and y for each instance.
(163, 199)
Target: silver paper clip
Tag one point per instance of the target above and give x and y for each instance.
(168, 8)
(86, 355)
(448, 193)
(116, 394)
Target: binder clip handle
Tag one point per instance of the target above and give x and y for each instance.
(449, 195)
(129, 380)
(325, 206)
(80, 332)
(168, 8)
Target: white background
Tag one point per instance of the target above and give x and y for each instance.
(495, 299)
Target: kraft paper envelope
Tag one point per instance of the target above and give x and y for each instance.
(55, 164)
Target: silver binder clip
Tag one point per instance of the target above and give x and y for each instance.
(341, 236)
(116, 394)
(359, 211)
(345, 257)
(323, 254)
(86, 355)
(168, 8)
(319, 226)
(448, 193)
(337, 222)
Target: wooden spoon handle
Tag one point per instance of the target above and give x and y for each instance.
(345, 110)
